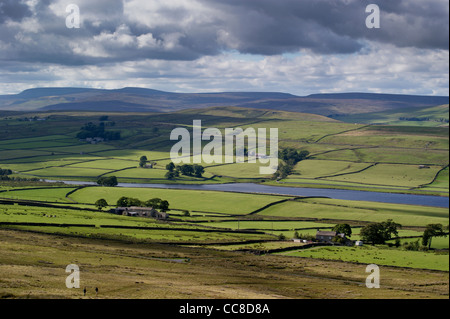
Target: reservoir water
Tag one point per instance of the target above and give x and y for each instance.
(394, 198)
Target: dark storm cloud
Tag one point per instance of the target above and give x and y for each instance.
(325, 26)
(13, 9)
(115, 31)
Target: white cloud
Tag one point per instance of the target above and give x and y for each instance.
(385, 69)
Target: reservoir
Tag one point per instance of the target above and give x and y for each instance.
(344, 194)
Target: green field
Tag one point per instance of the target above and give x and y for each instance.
(407, 215)
(203, 201)
(434, 115)
(219, 225)
(336, 148)
(379, 256)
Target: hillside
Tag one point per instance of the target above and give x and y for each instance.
(147, 100)
(421, 116)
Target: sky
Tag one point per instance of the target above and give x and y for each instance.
(293, 46)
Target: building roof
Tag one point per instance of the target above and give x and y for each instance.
(326, 233)
(135, 208)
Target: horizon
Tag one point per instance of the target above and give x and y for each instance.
(218, 92)
(295, 46)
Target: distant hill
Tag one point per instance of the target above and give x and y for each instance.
(147, 100)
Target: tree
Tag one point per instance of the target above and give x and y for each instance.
(187, 169)
(343, 229)
(128, 202)
(170, 175)
(109, 181)
(92, 130)
(198, 170)
(143, 161)
(390, 228)
(154, 202)
(373, 233)
(432, 230)
(164, 206)
(101, 203)
(283, 171)
(170, 167)
(378, 233)
(122, 202)
(292, 156)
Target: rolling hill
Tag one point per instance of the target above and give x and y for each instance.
(147, 100)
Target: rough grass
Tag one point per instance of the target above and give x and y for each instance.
(33, 266)
(379, 256)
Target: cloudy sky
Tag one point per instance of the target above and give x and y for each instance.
(294, 46)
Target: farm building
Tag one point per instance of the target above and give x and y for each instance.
(139, 212)
(327, 237)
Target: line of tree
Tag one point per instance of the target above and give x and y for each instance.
(5, 172)
(379, 233)
(91, 130)
(156, 203)
(109, 181)
(290, 157)
(185, 169)
(433, 230)
(4, 176)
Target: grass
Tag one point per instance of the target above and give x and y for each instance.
(50, 150)
(379, 256)
(52, 194)
(320, 209)
(269, 225)
(320, 168)
(440, 183)
(336, 147)
(434, 114)
(180, 233)
(391, 175)
(142, 271)
(204, 201)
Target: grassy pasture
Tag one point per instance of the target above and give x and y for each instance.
(441, 182)
(378, 255)
(434, 114)
(406, 215)
(269, 225)
(320, 168)
(204, 201)
(81, 148)
(391, 138)
(148, 236)
(20, 154)
(391, 175)
(141, 173)
(39, 139)
(109, 164)
(304, 131)
(68, 172)
(53, 194)
(388, 155)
